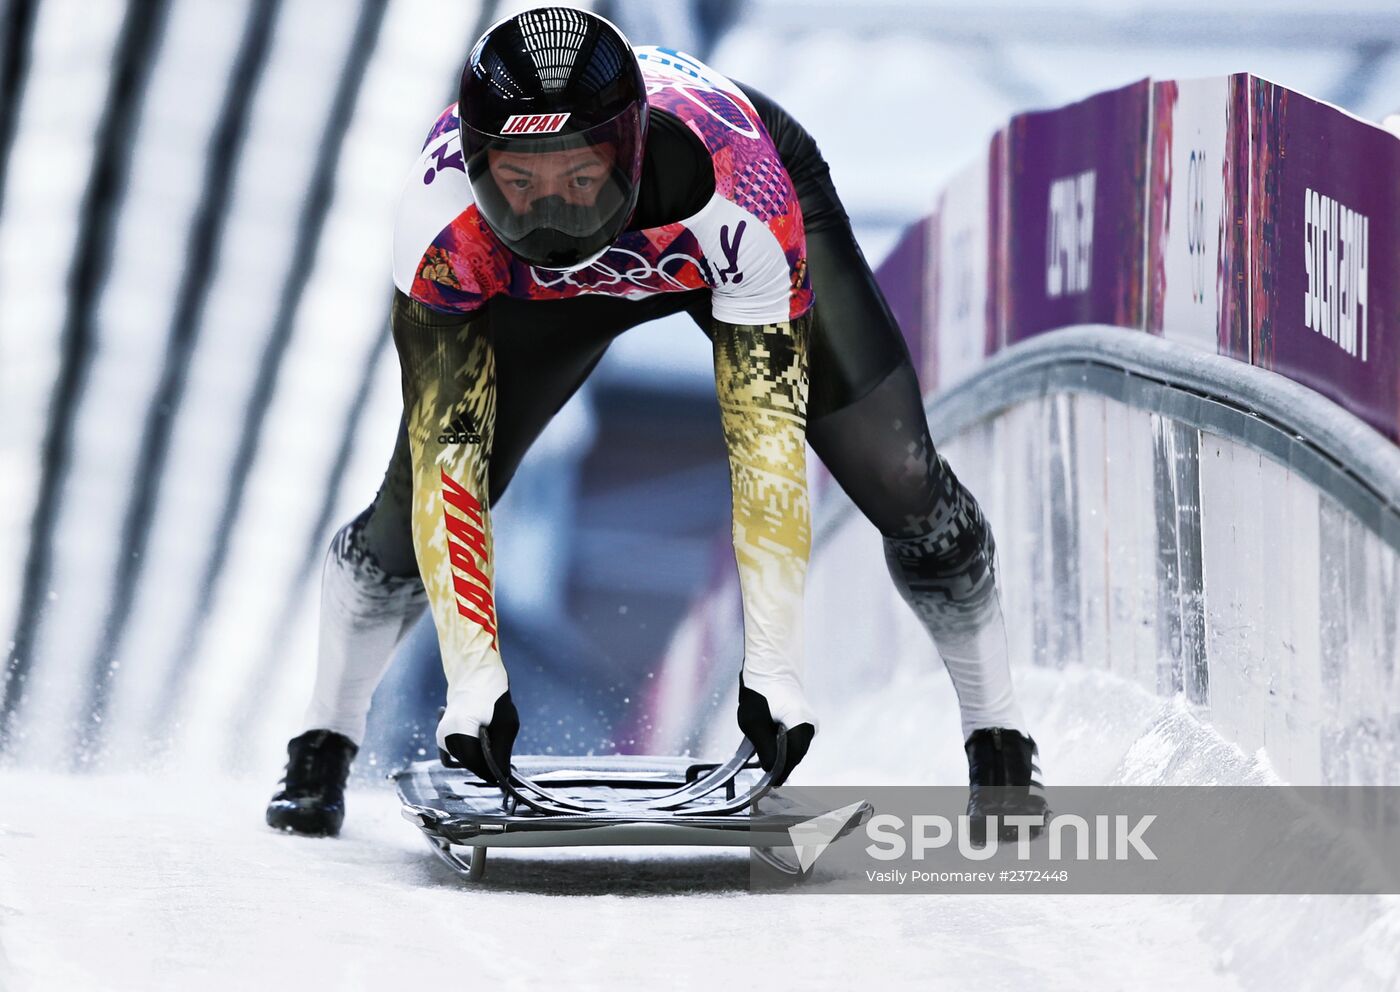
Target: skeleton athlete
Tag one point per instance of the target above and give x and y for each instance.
(581, 187)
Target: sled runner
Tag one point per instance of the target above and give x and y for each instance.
(553, 801)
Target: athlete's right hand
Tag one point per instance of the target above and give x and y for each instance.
(758, 724)
(464, 750)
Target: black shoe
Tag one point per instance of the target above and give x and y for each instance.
(312, 800)
(1003, 780)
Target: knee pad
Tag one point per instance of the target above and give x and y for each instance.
(357, 584)
(946, 563)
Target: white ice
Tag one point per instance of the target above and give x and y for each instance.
(158, 881)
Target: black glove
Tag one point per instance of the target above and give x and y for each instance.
(756, 721)
(465, 752)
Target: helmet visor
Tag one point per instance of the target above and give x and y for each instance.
(556, 199)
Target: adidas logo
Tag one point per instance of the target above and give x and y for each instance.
(460, 431)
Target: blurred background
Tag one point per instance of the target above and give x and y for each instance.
(196, 386)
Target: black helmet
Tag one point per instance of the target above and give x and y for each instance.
(553, 112)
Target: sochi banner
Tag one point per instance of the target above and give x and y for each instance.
(1228, 840)
(960, 314)
(1188, 217)
(1076, 197)
(1325, 303)
(905, 278)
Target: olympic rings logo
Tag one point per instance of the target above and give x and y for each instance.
(601, 276)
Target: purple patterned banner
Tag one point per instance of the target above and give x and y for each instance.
(1325, 201)
(1234, 269)
(1227, 213)
(1077, 181)
(998, 250)
(904, 276)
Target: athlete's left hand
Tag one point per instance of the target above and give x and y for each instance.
(465, 751)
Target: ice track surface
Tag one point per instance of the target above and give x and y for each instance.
(163, 881)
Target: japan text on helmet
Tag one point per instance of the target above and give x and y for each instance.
(553, 114)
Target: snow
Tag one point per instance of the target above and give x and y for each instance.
(156, 881)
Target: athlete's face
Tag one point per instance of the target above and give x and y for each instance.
(575, 175)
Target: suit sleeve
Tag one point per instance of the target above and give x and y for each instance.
(761, 383)
(449, 395)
